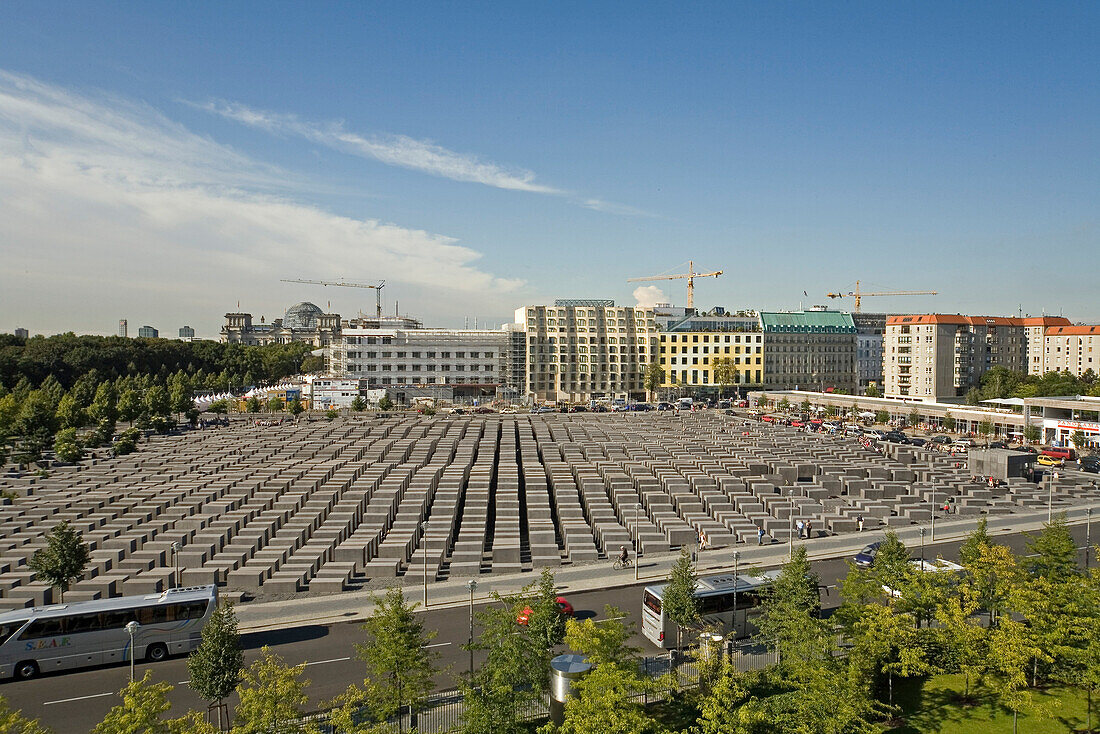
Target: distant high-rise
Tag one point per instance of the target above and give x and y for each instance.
(187, 333)
(122, 327)
(148, 332)
(21, 333)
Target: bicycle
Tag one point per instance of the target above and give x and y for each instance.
(620, 564)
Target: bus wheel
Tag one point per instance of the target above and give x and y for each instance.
(156, 653)
(26, 670)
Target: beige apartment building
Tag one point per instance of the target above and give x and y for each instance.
(939, 357)
(1035, 328)
(690, 358)
(580, 350)
(1073, 349)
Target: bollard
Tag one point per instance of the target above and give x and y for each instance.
(564, 670)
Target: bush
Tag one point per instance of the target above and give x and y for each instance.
(160, 424)
(331, 414)
(67, 447)
(124, 446)
(385, 403)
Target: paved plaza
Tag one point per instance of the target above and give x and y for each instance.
(322, 507)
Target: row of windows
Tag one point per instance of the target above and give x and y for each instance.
(718, 338)
(417, 355)
(695, 360)
(400, 380)
(417, 368)
(102, 621)
(716, 350)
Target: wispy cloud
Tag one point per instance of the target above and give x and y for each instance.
(130, 206)
(610, 207)
(393, 150)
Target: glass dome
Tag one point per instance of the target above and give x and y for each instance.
(302, 316)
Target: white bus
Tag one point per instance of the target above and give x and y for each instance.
(65, 636)
(716, 596)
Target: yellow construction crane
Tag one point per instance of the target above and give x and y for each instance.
(857, 294)
(377, 288)
(691, 275)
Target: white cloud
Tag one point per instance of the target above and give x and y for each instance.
(109, 210)
(610, 207)
(392, 150)
(649, 295)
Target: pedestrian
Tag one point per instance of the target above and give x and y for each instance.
(859, 519)
(809, 532)
(760, 536)
(801, 528)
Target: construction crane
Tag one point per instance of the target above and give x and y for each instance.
(377, 288)
(691, 275)
(857, 294)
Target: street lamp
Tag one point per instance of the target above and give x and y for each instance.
(922, 549)
(424, 531)
(176, 560)
(736, 564)
(1088, 536)
(132, 627)
(1050, 496)
(472, 586)
(638, 538)
(932, 501)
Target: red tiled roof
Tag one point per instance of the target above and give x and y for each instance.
(1072, 330)
(956, 319)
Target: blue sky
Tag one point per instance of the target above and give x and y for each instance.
(160, 162)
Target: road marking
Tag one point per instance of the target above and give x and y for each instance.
(322, 662)
(183, 682)
(438, 644)
(81, 698)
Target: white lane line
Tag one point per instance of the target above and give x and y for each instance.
(80, 698)
(183, 682)
(438, 644)
(322, 662)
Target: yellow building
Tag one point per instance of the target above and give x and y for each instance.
(690, 357)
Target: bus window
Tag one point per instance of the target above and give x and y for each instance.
(652, 602)
(7, 630)
(49, 627)
(117, 620)
(191, 610)
(82, 623)
(152, 615)
(716, 604)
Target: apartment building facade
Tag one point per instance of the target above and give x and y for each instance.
(585, 349)
(813, 350)
(870, 336)
(939, 357)
(1035, 329)
(1073, 349)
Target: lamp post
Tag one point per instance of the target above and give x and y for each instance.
(132, 627)
(176, 561)
(922, 549)
(638, 538)
(472, 586)
(736, 564)
(1050, 496)
(934, 503)
(424, 531)
(1088, 536)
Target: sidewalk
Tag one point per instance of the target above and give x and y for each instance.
(355, 606)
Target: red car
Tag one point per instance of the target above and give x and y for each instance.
(564, 607)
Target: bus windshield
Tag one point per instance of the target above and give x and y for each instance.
(652, 602)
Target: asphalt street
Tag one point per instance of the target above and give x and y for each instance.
(76, 701)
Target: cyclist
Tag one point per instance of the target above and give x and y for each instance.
(624, 557)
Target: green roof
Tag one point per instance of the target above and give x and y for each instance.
(807, 321)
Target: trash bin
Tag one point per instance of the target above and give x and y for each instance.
(564, 671)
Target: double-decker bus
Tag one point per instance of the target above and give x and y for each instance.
(727, 604)
(81, 634)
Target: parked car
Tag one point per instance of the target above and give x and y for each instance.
(543, 409)
(941, 440)
(724, 405)
(664, 406)
(916, 441)
(866, 557)
(1026, 449)
(897, 437)
(1048, 460)
(564, 608)
(1091, 464)
(642, 407)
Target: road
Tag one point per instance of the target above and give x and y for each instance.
(75, 702)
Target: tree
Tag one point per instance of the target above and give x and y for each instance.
(891, 562)
(1078, 439)
(603, 641)
(724, 373)
(219, 407)
(546, 622)
(985, 428)
(179, 397)
(70, 414)
(605, 702)
(252, 405)
(914, 417)
(1009, 655)
(66, 446)
(872, 391)
(788, 620)
(1032, 433)
(215, 665)
(35, 426)
(973, 396)
(158, 402)
(784, 405)
(13, 722)
(143, 704)
(63, 560)
(654, 378)
(400, 668)
(882, 416)
(975, 540)
(358, 404)
(680, 604)
(272, 695)
(1053, 553)
(384, 403)
(294, 406)
(332, 414)
(885, 642)
(129, 405)
(275, 404)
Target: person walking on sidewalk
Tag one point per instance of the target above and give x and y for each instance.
(801, 528)
(808, 531)
(760, 536)
(859, 519)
